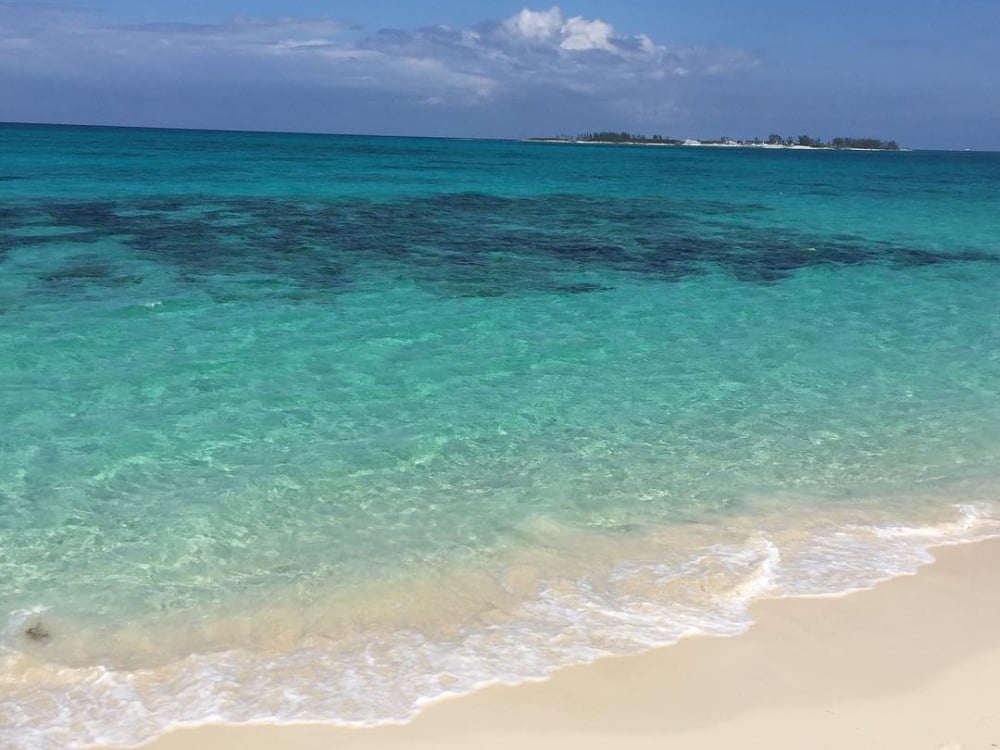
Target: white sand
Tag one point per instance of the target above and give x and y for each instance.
(913, 664)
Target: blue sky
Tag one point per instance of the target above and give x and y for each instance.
(923, 72)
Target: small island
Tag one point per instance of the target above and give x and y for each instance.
(774, 140)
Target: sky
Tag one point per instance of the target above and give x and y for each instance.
(921, 72)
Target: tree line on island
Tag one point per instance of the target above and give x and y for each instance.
(774, 139)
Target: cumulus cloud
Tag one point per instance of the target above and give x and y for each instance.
(544, 49)
(581, 34)
(536, 53)
(535, 25)
(547, 26)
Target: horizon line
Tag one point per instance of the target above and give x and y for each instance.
(512, 139)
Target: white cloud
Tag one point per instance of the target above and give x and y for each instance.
(581, 34)
(574, 34)
(536, 25)
(532, 53)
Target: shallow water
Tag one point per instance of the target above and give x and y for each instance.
(309, 427)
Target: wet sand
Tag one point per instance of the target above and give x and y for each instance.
(911, 664)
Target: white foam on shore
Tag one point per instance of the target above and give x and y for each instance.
(368, 679)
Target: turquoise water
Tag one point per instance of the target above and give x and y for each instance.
(323, 428)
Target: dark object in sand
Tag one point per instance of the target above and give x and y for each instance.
(37, 632)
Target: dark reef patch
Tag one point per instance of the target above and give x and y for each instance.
(89, 274)
(455, 243)
(78, 273)
(95, 215)
(579, 288)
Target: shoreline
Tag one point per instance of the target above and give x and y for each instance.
(911, 663)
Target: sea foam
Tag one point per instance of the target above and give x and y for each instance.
(378, 677)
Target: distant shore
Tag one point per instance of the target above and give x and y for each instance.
(910, 664)
(692, 143)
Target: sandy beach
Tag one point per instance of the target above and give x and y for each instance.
(911, 664)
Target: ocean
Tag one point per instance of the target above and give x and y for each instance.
(323, 428)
